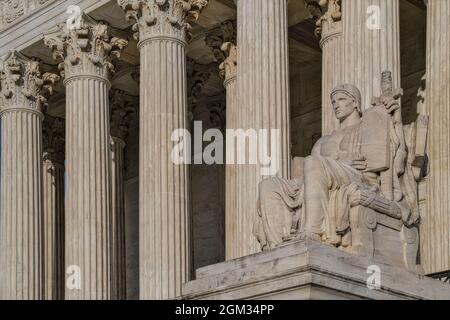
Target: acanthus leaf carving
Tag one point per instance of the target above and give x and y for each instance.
(89, 50)
(226, 32)
(22, 83)
(162, 17)
(228, 68)
(327, 22)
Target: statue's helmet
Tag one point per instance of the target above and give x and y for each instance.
(350, 90)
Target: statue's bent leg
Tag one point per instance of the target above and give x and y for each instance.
(275, 216)
(316, 196)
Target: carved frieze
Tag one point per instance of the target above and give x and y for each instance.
(12, 10)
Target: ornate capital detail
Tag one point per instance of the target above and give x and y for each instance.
(22, 84)
(162, 18)
(53, 139)
(228, 68)
(123, 111)
(226, 32)
(329, 23)
(89, 50)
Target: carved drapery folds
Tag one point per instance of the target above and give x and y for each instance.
(89, 50)
(162, 18)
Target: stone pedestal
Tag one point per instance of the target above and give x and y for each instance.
(21, 208)
(309, 271)
(263, 100)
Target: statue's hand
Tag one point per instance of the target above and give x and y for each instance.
(359, 162)
(391, 105)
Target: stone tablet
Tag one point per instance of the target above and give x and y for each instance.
(375, 139)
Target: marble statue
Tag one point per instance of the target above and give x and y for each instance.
(358, 186)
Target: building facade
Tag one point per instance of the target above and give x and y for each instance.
(93, 205)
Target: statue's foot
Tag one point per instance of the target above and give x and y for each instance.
(313, 236)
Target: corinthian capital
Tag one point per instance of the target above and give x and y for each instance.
(23, 85)
(89, 50)
(328, 22)
(228, 68)
(162, 18)
(215, 38)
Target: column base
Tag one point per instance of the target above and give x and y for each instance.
(307, 270)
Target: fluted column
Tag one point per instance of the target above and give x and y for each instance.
(163, 185)
(435, 226)
(122, 113)
(371, 31)
(118, 261)
(23, 90)
(331, 42)
(53, 190)
(84, 55)
(263, 99)
(228, 71)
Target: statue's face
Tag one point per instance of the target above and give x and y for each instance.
(343, 105)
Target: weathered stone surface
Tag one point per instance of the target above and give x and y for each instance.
(23, 95)
(162, 28)
(263, 99)
(85, 58)
(358, 190)
(309, 271)
(436, 228)
(53, 199)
